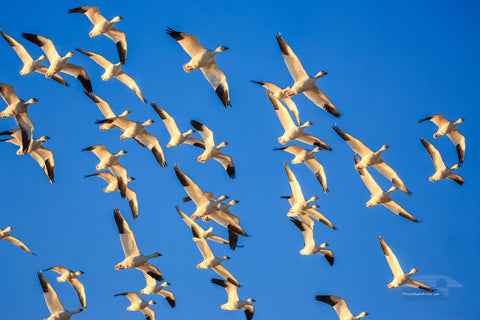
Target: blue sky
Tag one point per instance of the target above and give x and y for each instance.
(389, 65)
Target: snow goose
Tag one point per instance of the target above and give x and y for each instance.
(234, 302)
(5, 236)
(300, 205)
(153, 287)
(102, 105)
(449, 128)
(441, 171)
(113, 186)
(137, 131)
(138, 304)
(210, 261)
(29, 64)
(114, 70)
(19, 110)
(400, 277)
(101, 25)
(133, 257)
(205, 60)
(57, 311)
(42, 155)
(292, 131)
(281, 94)
(71, 277)
(212, 151)
(378, 196)
(207, 234)
(225, 218)
(340, 307)
(304, 82)
(110, 161)
(310, 247)
(176, 137)
(308, 157)
(371, 158)
(58, 63)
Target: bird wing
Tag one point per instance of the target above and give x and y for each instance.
(282, 113)
(127, 237)
(188, 42)
(129, 82)
(99, 150)
(79, 73)
(42, 69)
(19, 49)
(391, 175)
(391, 259)
(249, 311)
(132, 296)
(151, 270)
(122, 179)
(312, 140)
(397, 209)
(195, 142)
(434, 154)
(294, 184)
(367, 179)
(418, 284)
(103, 105)
(203, 246)
(339, 304)
(320, 217)
(80, 289)
(459, 140)
(51, 297)
(169, 296)
(167, 120)
(44, 43)
(120, 40)
(231, 289)
(227, 163)
(354, 143)
(44, 157)
(101, 60)
(58, 269)
(321, 100)
(105, 175)
(218, 80)
(8, 94)
(227, 221)
(26, 126)
(438, 119)
(291, 60)
(149, 313)
(132, 202)
(455, 177)
(319, 172)
(92, 13)
(293, 149)
(292, 107)
(18, 243)
(193, 190)
(224, 273)
(306, 230)
(205, 132)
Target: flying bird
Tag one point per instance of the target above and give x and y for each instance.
(378, 196)
(210, 261)
(138, 304)
(449, 128)
(4, 234)
(113, 186)
(18, 109)
(292, 131)
(42, 155)
(234, 302)
(102, 105)
(205, 60)
(110, 161)
(176, 137)
(400, 277)
(303, 81)
(441, 171)
(207, 234)
(29, 64)
(340, 307)
(310, 247)
(153, 287)
(212, 151)
(57, 311)
(371, 158)
(114, 70)
(137, 131)
(308, 157)
(101, 25)
(71, 277)
(133, 257)
(281, 94)
(58, 63)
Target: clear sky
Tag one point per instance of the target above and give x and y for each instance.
(389, 65)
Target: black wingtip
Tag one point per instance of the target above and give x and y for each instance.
(171, 302)
(43, 281)
(122, 55)
(223, 96)
(174, 34)
(231, 171)
(32, 38)
(119, 220)
(197, 125)
(325, 299)
(181, 176)
(86, 83)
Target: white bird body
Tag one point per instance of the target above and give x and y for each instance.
(138, 304)
(340, 307)
(293, 133)
(441, 170)
(234, 302)
(153, 287)
(310, 246)
(380, 197)
(371, 158)
(5, 236)
(103, 26)
(113, 70)
(71, 277)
